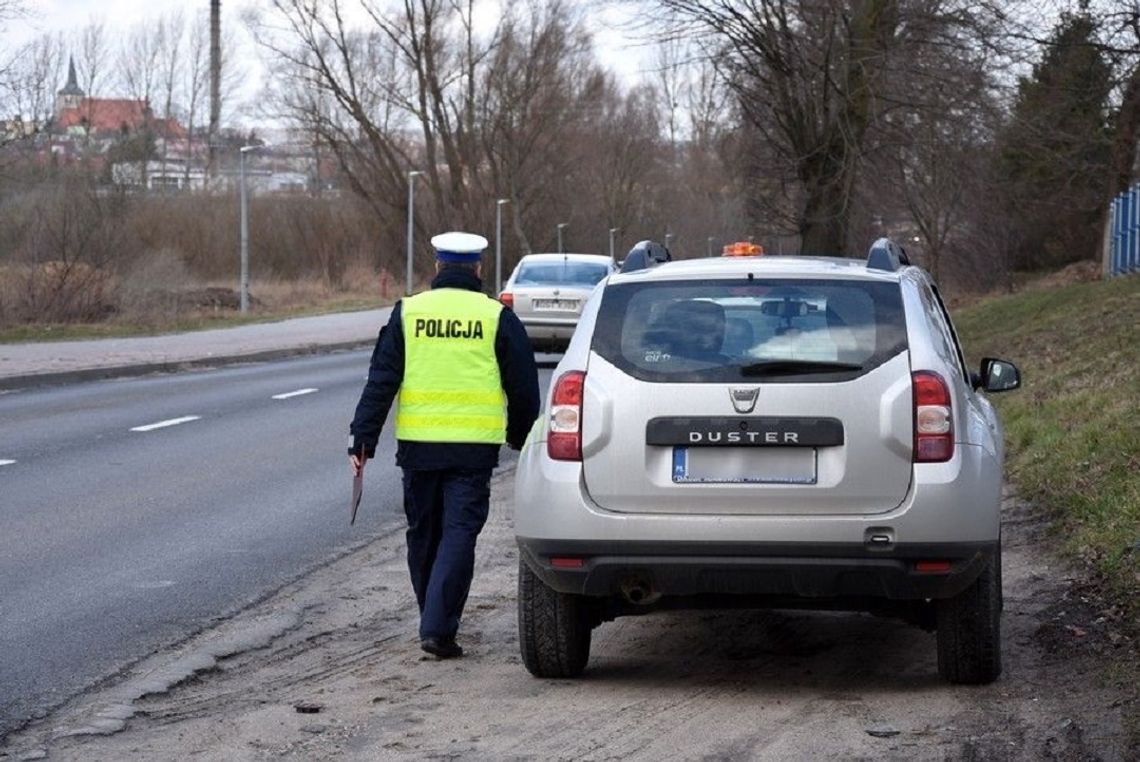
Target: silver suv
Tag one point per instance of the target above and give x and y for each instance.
(765, 432)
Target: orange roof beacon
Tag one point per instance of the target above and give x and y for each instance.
(742, 249)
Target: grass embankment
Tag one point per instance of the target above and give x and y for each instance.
(1073, 430)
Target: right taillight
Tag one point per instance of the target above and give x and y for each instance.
(933, 418)
(508, 299)
(564, 436)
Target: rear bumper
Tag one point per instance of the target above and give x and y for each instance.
(549, 328)
(779, 570)
(549, 334)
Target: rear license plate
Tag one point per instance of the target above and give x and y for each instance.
(556, 304)
(744, 465)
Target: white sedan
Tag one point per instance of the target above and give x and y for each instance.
(547, 292)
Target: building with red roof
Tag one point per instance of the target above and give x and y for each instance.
(76, 113)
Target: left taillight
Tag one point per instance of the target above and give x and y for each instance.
(508, 299)
(933, 418)
(564, 436)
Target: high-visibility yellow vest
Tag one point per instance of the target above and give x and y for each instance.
(452, 390)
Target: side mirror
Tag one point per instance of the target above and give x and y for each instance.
(997, 375)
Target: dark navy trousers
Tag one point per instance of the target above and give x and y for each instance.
(446, 510)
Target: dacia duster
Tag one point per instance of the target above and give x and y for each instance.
(754, 431)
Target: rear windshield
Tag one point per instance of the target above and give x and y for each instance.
(728, 330)
(565, 273)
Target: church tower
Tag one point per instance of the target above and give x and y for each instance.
(71, 96)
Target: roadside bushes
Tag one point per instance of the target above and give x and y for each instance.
(300, 237)
(72, 251)
(64, 243)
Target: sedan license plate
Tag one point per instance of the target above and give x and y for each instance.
(556, 304)
(744, 465)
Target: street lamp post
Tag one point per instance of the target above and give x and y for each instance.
(560, 226)
(412, 175)
(243, 285)
(710, 245)
(499, 244)
(613, 232)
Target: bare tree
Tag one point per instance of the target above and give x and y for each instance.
(9, 10)
(346, 88)
(139, 58)
(625, 158)
(94, 64)
(1121, 20)
(171, 63)
(140, 67)
(365, 90)
(542, 88)
(670, 80)
(31, 81)
(807, 75)
(195, 76)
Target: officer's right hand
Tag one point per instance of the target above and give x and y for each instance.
(356, 463)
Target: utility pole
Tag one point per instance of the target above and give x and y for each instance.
(215, 87)
(561, 225)
(499, 244)
(243, 287)
(412, 175)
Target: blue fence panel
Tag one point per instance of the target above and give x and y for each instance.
(1126, 199)
(1117, 244)
(1123, 247)
(1129, 225)
(1132, 262)
(1124, 233)
(1123, 223)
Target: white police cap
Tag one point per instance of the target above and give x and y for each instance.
(458, 247)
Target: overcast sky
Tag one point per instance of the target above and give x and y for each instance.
(616, 49)
(51, 15)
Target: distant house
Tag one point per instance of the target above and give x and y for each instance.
(16, 129)
(169, 175)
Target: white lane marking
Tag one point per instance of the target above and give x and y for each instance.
(157, 584)
(298, 393)
(6, 462)
(164, 424)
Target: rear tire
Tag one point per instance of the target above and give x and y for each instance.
(969, 630)
(554, 628)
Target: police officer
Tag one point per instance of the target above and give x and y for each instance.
(464, 373)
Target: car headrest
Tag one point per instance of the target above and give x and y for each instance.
(692, 328)
(739, 336)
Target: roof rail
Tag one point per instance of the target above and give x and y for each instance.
(643, 255)
(886, 255)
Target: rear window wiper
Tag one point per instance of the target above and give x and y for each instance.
(795, 367)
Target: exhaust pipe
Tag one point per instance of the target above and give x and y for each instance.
(638, 591)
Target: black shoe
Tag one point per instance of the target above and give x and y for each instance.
(441, 648)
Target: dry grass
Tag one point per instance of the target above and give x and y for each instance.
(359, 285)
(146, 305)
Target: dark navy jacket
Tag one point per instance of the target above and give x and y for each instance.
(516, 367)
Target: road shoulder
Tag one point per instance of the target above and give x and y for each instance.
(341, 676)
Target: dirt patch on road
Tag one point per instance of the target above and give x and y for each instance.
(349, 681)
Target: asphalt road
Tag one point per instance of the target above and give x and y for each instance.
(135, 513)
